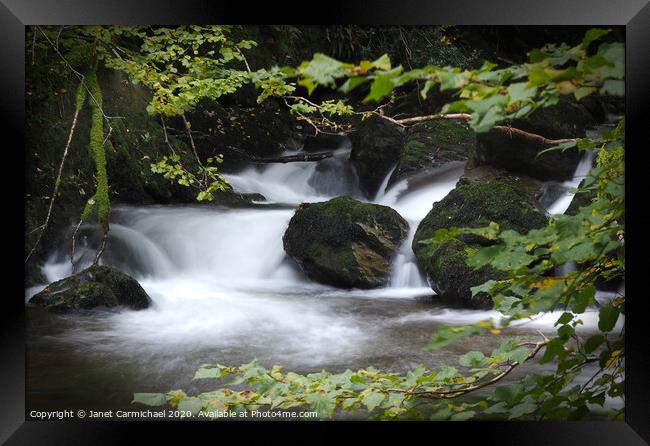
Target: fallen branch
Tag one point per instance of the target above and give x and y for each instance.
(303, 157)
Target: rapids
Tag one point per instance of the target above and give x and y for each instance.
(224, 291)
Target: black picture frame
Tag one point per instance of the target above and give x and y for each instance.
(633, 14)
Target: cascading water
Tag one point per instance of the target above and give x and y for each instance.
(413, 203)
(557, 205)
(299, 182)
(224, 291)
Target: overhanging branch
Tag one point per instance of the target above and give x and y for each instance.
(499, 128)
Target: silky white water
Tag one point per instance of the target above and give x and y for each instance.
(224, 291)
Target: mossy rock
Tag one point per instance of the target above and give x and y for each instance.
(517, 154)
(376, 148)
(471, 205)
(344, 242)
(431, 144)
(479, 174)
(97, 286)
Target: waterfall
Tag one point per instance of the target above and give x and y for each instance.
(561, 204)
(413, 202)
(299, 182)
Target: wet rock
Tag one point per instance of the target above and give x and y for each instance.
(97, 286)
(376, 148)
(478, 174)
(344, 242)
(324, 141)
(471, 205)
(431, 144)
(517, 154)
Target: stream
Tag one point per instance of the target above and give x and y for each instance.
(223, 291)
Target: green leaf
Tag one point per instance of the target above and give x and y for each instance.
(521, 91)
(484, 288)
(591, 35)
(519, 355)
(614, 87)
(207, 372)
(323, 70)
(373, 399)
(607, 317)
(383, 63)
(508, 394)
(584, 298)
(522, 409)
(462, 416)
(357, 379)
(190, 404)
(442, 415)
(352, 83)
(554, 348)
(593, 343)
(564, 319)
(323, 404)
(472, 359)
(500, 407)
(380, 88)
(150, 399)
(446, 335)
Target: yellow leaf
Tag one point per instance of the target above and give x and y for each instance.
(547, 282)
(565, 87)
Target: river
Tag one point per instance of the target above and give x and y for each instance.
(223, 291)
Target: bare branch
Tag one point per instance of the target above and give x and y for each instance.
(57, 184)
(500, 128)
(454, 393)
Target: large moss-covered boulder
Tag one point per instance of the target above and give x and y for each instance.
(518, 154)
(470, 205)
(97, 286)
(344, 242)
(376, 147)
(431, 144)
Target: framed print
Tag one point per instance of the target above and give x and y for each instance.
(379, 217)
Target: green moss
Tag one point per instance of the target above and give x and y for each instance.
(431, 144)
(96, 286)
(97, 147)
(345, 242)
(477, 204)
(471, 205)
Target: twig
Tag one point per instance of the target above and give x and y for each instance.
(81, 78)
(101, 248)
(454, 393)
(196, 155)
(57, 183)
(72, 244)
